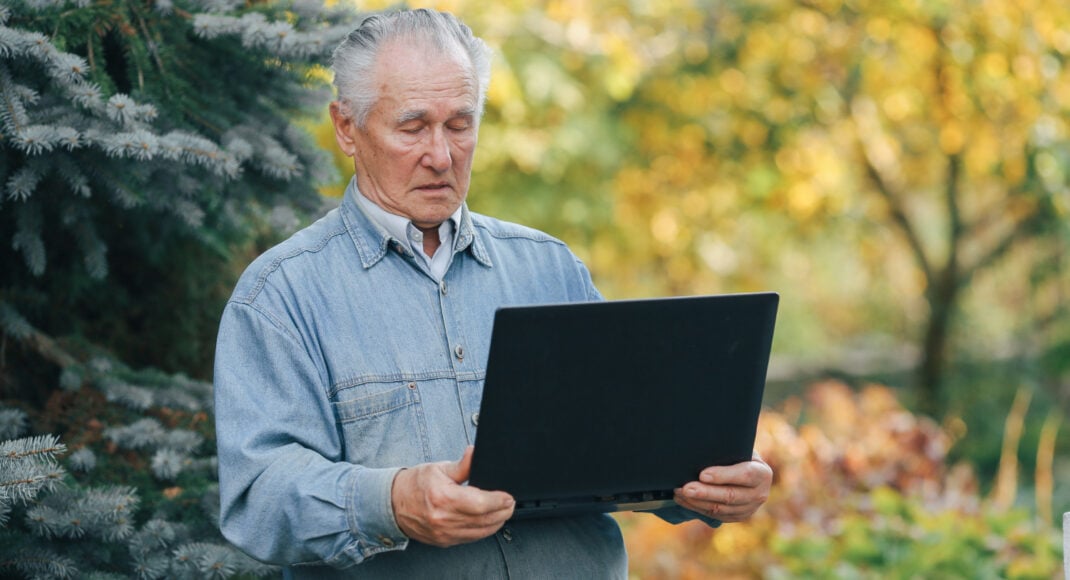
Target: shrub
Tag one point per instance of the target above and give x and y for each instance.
(861, 490)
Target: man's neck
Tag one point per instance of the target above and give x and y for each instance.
(431, 239)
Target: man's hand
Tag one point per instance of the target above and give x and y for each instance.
(432, 507)
(730, 493)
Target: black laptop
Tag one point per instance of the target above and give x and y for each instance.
(609, 406)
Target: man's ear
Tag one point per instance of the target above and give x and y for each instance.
(344, 128)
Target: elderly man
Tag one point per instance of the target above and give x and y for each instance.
(350, 358)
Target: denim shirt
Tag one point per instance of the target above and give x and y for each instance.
(341, 360)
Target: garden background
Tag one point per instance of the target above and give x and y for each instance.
(896, 169)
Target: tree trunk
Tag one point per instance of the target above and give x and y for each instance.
(930, 372)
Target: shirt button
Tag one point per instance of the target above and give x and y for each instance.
(442, 287)
(386, 541)
(507, 535)
(459, 352)
(475, 419)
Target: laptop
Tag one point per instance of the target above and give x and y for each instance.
(609, 406)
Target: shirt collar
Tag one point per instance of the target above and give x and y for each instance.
(396, 225)
(374, 236)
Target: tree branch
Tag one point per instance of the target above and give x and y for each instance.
(989, 217)
(14, 325)
(999, 250)
(954, 215)
(889, 192)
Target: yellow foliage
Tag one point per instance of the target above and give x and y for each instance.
(952, 138)
(322, 131)
(753, 134)
(624, 73)
(665, 226)
(803, 200)
(733, 81)
(700, 141)
(506, 93)
(902, 103)
(879, 29)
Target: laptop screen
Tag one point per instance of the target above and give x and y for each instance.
(609, 403)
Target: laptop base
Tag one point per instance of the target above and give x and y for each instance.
(579, 506)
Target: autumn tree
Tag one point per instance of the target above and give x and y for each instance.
(874, 161)
(942, 123)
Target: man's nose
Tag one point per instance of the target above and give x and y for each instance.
(437, 156)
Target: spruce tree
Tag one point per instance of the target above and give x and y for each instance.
(146, 146)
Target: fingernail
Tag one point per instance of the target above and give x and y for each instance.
(690, 491)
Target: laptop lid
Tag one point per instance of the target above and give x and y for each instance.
(609, 406)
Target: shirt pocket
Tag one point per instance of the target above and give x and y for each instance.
(383, 428)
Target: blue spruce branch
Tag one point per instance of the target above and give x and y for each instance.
(40, 563)
(28, 467)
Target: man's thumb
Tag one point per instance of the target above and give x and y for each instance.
(458, 470)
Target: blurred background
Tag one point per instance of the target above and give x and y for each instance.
(896, 170)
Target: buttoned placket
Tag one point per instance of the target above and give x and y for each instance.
(506, 537)
(455, 340)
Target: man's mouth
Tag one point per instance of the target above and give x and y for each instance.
(435, 186)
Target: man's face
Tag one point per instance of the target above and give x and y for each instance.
(413, 157)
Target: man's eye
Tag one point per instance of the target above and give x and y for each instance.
(458, 127)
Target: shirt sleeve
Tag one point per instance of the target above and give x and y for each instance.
(591, 293)
(679, 514)
(287, 496)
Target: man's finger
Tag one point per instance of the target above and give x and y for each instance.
(722, 494)
(473, 501)
(702, 493)
(747, 474)
(459, 470)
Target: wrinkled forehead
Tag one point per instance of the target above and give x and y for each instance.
(425, 48)
(422, 63)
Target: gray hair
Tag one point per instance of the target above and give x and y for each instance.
(353, 61)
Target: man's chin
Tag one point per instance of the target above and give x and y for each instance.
(433, 219)
(437, 210)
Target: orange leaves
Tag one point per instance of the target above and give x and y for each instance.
(857, 442)
(172, 492)
(839, 456)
